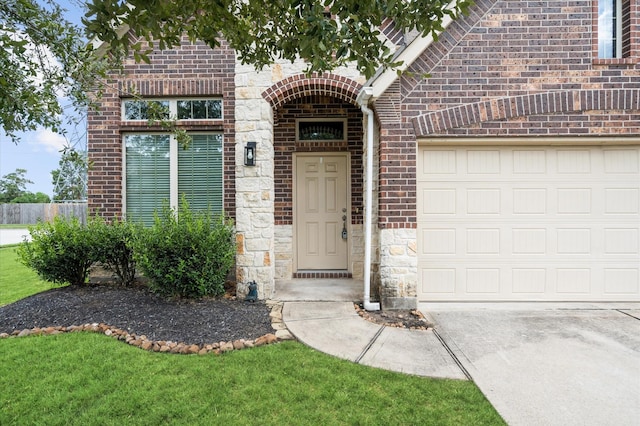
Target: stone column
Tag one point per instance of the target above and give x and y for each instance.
(254, 186)
(398, 268)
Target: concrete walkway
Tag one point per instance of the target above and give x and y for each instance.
(336, 329)
(539, 363)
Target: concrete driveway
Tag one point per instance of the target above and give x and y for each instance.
(13, 236)
(549, 364)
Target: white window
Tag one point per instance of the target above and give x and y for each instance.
(180, 109)
(199, 109)
(610, 29)
(159, 171)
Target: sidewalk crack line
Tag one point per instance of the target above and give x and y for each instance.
(373, 340)
(455, 358)
(627, 313)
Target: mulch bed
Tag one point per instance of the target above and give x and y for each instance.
(411, 319)
(138, 311)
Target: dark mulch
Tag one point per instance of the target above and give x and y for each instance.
(412, 319)
(140, 312)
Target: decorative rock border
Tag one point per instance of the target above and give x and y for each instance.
(142, 342)
(411, 319)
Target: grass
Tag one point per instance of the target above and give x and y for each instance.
(16, 280)
(91, 379)
(5, 226)
(88, 379)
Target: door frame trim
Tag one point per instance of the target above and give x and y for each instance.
(296, 155)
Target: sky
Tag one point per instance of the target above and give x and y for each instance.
(39, 151)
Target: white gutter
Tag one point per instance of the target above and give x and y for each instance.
(363, 101)
(373, 89)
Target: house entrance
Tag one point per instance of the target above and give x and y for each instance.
(321, 211)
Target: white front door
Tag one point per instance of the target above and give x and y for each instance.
(321, 211)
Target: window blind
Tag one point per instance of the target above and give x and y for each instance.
(200, 173)
(147, 175)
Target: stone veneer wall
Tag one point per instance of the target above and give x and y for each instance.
(283, 246)
(258, 236)
(398, 268)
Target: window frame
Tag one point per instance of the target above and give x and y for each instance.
(174, 148)
(616, 29)
(625, 47)
(320, 120)
(173, 108)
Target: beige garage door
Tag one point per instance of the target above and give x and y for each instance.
(529, 223)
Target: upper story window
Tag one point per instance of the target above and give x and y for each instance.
(609, 29)
(143, 110)
(181, 109)
(199, 109)
(616, 36)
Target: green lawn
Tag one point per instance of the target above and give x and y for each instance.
(4, 226)
(16, 280)
(91, 379)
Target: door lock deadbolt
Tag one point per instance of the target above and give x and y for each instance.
(344, 225)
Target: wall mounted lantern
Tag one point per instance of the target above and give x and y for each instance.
(250, 154)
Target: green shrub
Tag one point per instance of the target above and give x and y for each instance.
(60, 251)
(186, 253)
(113, 247)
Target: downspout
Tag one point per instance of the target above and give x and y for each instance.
(363, 99)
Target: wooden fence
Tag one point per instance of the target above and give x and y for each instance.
(27, 213)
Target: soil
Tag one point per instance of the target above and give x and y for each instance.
(412, 319)
(138, 311)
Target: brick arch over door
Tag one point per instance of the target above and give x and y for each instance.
(518, 106)
(301, 85)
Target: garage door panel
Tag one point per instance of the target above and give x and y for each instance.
(558, 223)
(622, 201)
(528, 280)
(438, 201)
(529, 201)
(621, 161)
(529, 161)
(621, 281)
(581, 281)
(573, 161)
(619, 241)
(483, 241)
(505, 239)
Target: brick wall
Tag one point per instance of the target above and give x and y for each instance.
(191, 70)
(525, 69)
(397, 157)
(317, 106)
(512, 69)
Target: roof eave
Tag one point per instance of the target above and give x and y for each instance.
(384, 78)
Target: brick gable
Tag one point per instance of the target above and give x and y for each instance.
(512, 69)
